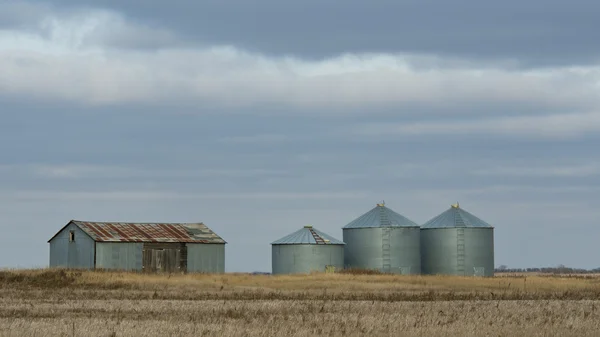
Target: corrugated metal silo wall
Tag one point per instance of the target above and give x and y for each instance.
(293, 259)
(72, 254)
(205, 258)
(367, 248)
(458, 251)
(119, 255)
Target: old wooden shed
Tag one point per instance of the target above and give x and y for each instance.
(148, 247)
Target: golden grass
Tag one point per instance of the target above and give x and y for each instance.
(67, 303)
(335, 286)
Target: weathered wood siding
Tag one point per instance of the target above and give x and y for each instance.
(164, 257)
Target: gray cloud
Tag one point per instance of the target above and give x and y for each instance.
(86, 48)
(548, 170)
(545, 126)
(77, 28)
(538, 33)
(21, 14)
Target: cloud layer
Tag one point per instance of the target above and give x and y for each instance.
(94, 57)
(554, 126)
(538, 32)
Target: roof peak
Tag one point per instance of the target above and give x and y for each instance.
(146, 232)
(138, 223)
(308, 235)
(381, 216)
(456, 217)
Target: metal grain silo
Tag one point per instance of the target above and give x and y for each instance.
(457, 243)
(307, 250)
(383, 240)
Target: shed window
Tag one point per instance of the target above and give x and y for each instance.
(72, 236)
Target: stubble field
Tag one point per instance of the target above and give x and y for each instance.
(73, 303)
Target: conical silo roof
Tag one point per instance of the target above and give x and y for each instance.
(308, 236)
(381, 216)
(456, 217)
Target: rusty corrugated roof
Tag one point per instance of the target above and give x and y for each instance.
(148, 232)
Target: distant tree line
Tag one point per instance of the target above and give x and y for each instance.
(560, 269)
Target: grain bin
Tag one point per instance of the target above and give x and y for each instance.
(307, 250)
(457, 243)
(383, 240)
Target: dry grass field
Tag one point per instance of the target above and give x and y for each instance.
(73, 303)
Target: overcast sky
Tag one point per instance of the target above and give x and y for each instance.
(260, 117)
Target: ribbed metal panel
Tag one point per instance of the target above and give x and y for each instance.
(457, 243)
(78, 253)
(306, 258)
(383, 240)
(458, 251)
(307, 250)
(119, 255)
(205, 258)
(387, 249)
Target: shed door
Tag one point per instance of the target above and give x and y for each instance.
(161, 260)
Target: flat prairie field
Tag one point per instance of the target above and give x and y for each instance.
(75, 303)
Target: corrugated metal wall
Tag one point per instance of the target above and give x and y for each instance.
(72, 254)
(119, 255)
(291, 259)
(205, 258)
(394, 250)
(458, 251)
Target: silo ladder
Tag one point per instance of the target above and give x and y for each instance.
(460, 251)
(385, 250)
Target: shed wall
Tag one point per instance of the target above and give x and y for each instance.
(458, 251)
(159, 257)
(77, 254)
(394, 250)
(119, 255)
(205, 258)
(305, 258)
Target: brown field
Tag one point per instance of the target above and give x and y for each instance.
(73, 303)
